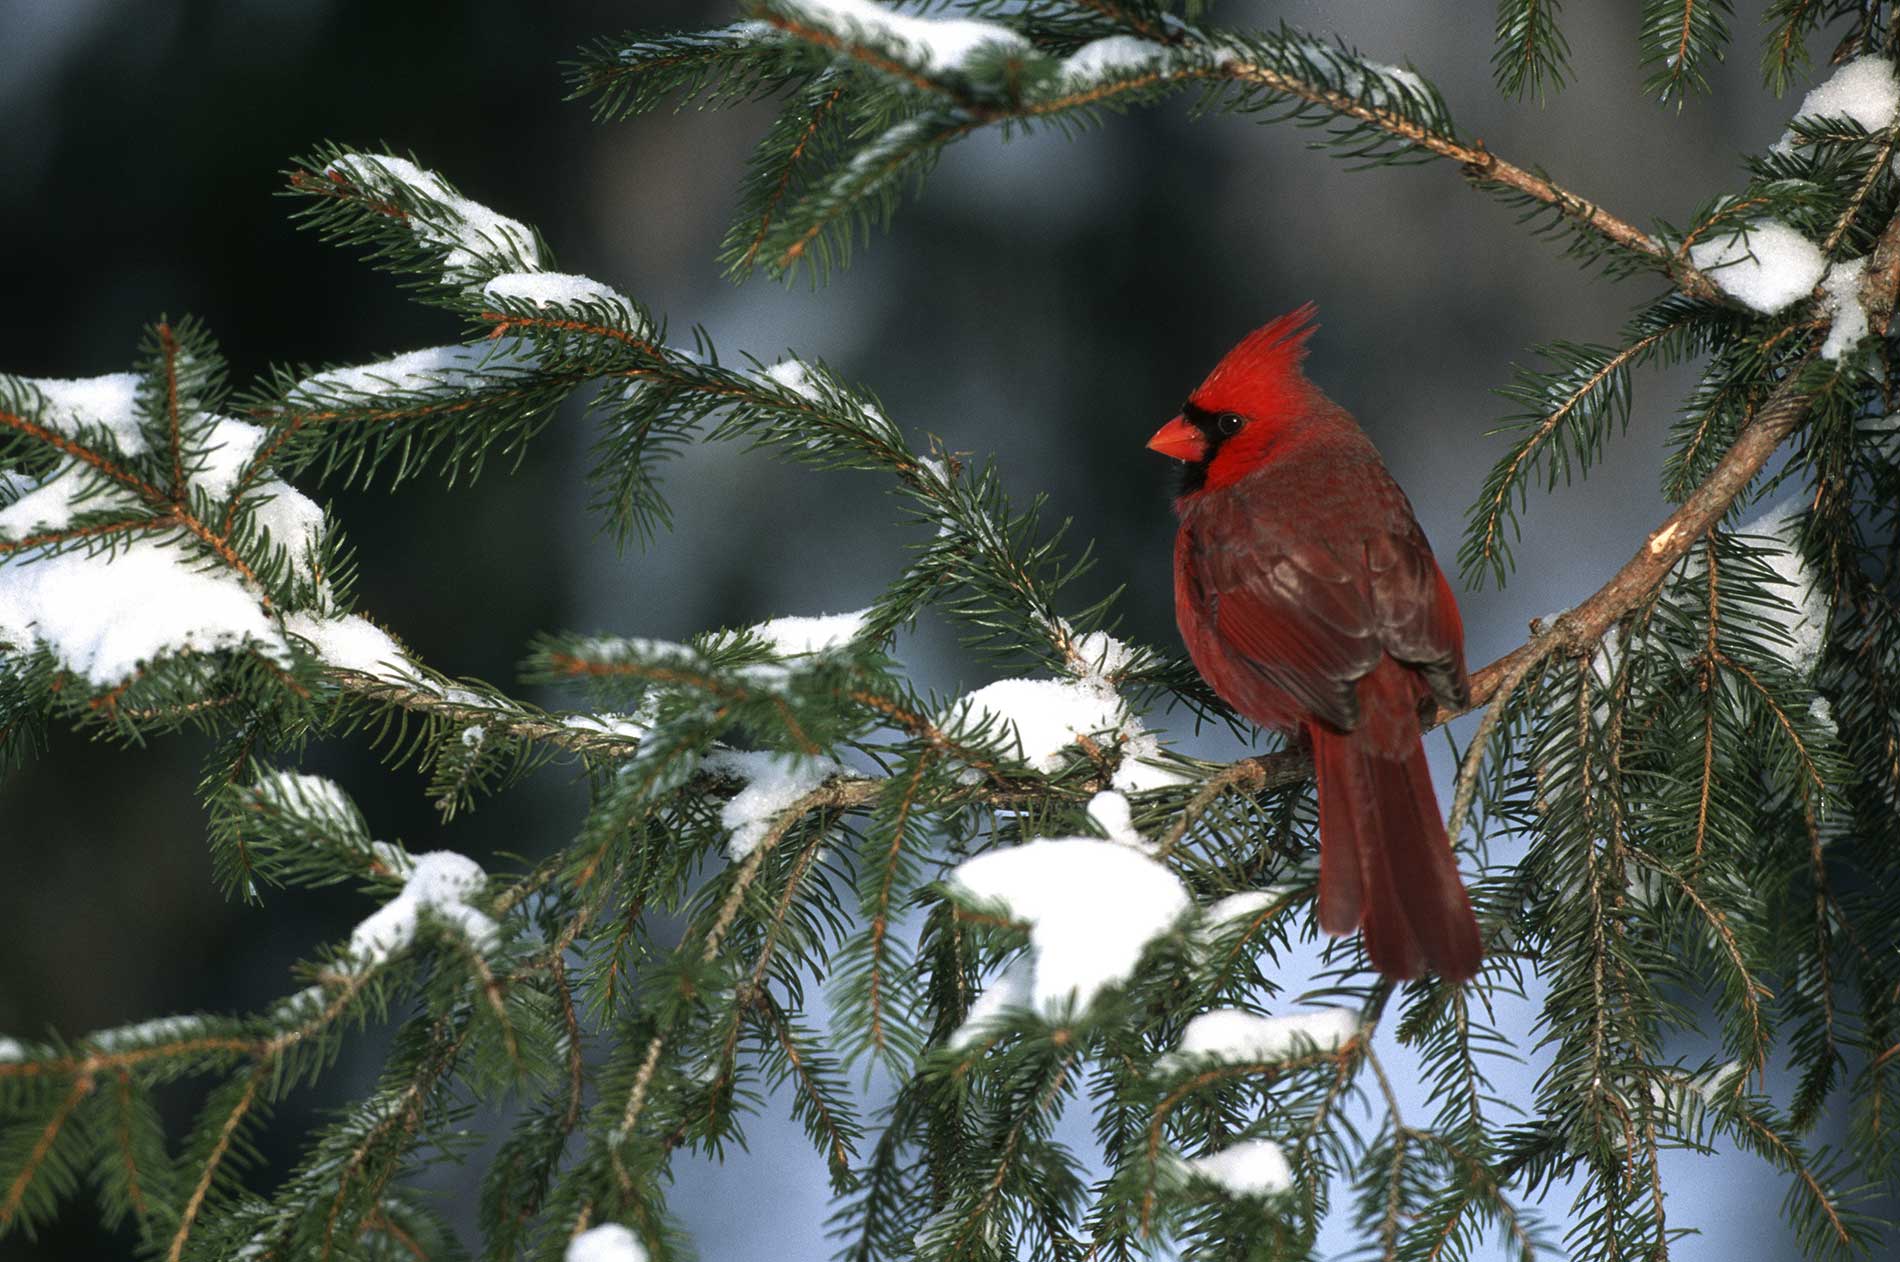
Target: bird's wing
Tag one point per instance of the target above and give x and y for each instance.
(1298, 616)
(1418, 621)
(1313, 621)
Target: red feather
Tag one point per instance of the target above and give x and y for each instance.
(1309, 599)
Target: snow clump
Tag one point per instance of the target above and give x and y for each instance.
(1842, 287)
(1234, 1037)
(1863, 89)
(773, 782)
(440, 882)
(609, 1242)
(1092, 907)
(1253, 1167)
(935, 44)
(1767, 266)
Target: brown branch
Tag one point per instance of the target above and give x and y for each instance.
(1800, 1170)
(85, 455)
(42, 1147)
(87, 532)
(1269, 1069)
(576, 1067)
(1485, 167)
(1007, 1161)
(379, 1221)
(337, 187)
(871, 57)
(135, 1193)
(1781, 718)
(777, 199)
(1495, 510)
(504, 322)
(880, 917)
(1883, 154)
(841, 1152)
(1753, 991)
(838, 793)
(1580, 628)
(218, 1150)
(1880, 282)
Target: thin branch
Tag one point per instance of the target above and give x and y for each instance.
(42, 1148)
(223, 1146)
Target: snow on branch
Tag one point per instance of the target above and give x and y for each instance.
(811, 817)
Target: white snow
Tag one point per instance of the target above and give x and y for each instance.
(1407, 80)
(1881, 432)
(1136, 774)
(1105, 656)
(352, 642)
(479, 242)
(1113, 57)
(1091, 905)
(635, 648)
(473, 735)
(441, 882)
(299, 1006)
(1048, 715)
(1108, 811)
(773, 781)
(290, 518)
(145, 1033)
(1242, 906)
(109, 402)
(1714, 1083)
(52, 504)
(631, 727)
(452, 367)
(11, 1050)
(1804, 615)
(1842, 287)
(297, 794)
(1864, 90)
(1235, 1037)
(1253, 1167)
(801, 636)
(228, 452)
(933, 44)
(607, 1243)
(104, 616)
(1011, 991)
(566, 292)
(794, 375)
(1766, 267)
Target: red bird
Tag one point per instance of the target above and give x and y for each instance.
(1310, 601)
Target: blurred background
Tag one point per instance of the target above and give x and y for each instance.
(1050, 302)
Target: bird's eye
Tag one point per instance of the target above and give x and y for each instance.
(1227, 424)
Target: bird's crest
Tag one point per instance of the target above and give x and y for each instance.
(1261, 374)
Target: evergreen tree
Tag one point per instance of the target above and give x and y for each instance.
(1018, 904)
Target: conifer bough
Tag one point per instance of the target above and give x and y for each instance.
(1021, 902)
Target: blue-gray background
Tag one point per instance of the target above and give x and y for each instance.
(1047, 301)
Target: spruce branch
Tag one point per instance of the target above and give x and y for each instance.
(1379, 116)
(1666, 748)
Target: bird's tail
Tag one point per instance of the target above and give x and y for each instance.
(1384, 858)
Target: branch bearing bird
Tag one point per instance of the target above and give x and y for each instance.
(1310, 602)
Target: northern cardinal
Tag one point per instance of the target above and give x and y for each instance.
(1310, 601)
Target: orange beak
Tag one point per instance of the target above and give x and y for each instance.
(1179, 440)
